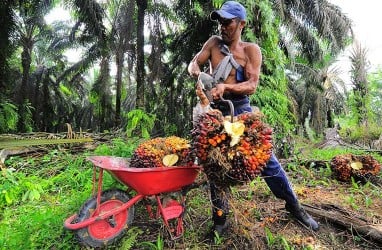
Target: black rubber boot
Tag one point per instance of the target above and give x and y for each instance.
(301, 215)
(220, 228)
(217, 230)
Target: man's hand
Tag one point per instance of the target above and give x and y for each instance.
(194, 70)
(218, 91)
(202, 96)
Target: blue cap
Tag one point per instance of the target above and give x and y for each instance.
(229, 10)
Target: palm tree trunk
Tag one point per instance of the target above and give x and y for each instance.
(7, 23)
(142, 6)
(119, 62)
(26, 60)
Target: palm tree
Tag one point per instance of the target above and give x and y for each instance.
(317, 94)
(121, 42)
(102, 92)
(30, 27)
(307, 25)
(360, 83)
(334, 93)
(311, 34)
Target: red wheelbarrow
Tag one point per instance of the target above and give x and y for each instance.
(104, 218)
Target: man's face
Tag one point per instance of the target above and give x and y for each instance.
(230, 29)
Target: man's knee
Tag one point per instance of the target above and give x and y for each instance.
(273, 168)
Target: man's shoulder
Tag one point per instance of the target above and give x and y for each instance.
(215, 39)
(214, 42)
(250, 46)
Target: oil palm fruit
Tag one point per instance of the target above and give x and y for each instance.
(360, 167)
(161, 152)
(231, 152)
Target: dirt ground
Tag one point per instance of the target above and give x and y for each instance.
(259, 221)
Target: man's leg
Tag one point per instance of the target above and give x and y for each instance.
(278, 182)
(220, 207)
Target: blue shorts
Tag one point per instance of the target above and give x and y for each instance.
(240, 106)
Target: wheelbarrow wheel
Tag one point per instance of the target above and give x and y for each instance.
(108, 231)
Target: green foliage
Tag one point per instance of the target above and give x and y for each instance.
(9, 188)
(38, 202)
(16, 187)
(362, 195)
(170, 129)
(188, 18)
(276, 242)
(257, 186)
(140, 123)
(309, 131)
(130, 239)
(357, 103)
(8, 117)
(159, 245)
(71, 174)
(361, 133)
(29, 228)
(217, 3)
(33, 190)
(273, 105)
(270, 94)
(218, 240)
(352, 129)
(65, 90)
(269, 236)
(25, 111)
(352, 202)
(119, 147)
(198, 9)
(328, 154)
(375, 92)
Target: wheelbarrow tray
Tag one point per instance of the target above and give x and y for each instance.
(147, 181)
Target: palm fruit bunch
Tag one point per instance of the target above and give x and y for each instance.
(231, 153)
(359, 167)
(161, 152)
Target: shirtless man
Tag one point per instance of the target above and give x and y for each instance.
(239, 84)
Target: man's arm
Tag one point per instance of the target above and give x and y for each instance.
(201, 57)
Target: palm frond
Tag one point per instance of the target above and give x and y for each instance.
(312, 22)
(91, 14)
(12, 143)
(359, 65)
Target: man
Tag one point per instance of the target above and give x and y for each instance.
(236, 85)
